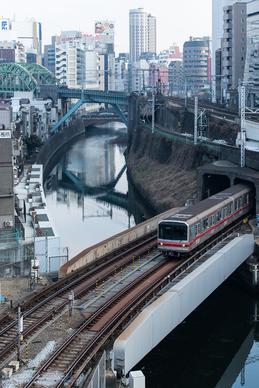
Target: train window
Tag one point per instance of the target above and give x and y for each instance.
(173, 231)
(193, 232)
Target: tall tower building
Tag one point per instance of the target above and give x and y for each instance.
(151, 22)
(217, 34)
(142, 33)
(233, 50)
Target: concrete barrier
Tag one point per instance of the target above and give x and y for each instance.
(113, 243)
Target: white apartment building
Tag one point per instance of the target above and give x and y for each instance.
(139, 76)
(142, 33)
(70, 64)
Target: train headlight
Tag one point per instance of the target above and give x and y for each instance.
(161, 244)
(184, 245)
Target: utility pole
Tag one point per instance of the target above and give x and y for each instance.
(71, 299)
(243, 126)
(185, 93)
(195, 135)
(19, 332)
(153, 102)
(47, 254)
(153, 111)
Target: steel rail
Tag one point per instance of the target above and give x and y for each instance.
(139, 249)
(90, 350)
(91, 320)
(128, 310)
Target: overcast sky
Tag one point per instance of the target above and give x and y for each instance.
(176, 19)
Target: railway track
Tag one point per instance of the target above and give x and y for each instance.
(52, 301)
(72, 357)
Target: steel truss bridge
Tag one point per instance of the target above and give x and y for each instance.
(24, 77)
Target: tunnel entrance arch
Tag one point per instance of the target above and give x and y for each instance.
(222, 174)
(213, 184)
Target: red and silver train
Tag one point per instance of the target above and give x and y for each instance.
(186, 230)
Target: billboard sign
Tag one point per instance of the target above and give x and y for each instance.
(5, 135)
(104, 28)
(4, 25)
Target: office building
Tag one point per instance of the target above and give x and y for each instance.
(233, 51)
(142, 34)
(217, 34)
(251, 74)
(49, 59)
(197, 64)
(175, 77)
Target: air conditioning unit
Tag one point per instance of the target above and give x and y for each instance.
(7, 224)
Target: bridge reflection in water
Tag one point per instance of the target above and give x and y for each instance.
(88, 193)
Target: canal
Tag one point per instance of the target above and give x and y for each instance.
(217, 346)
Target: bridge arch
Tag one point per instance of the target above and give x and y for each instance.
(24, 77)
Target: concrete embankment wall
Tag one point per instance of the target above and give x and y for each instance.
(115, 242)
(164, 168)
(52, 150)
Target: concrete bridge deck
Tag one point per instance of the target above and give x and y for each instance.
(186, 293)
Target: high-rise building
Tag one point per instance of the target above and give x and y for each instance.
(151, 23)
(70, 65)
(217, 34)
(251, 74)
(49, 60)
(233, 50)
(142, 33)
(197, 64)
(175, 77)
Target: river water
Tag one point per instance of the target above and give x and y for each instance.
(218, 344)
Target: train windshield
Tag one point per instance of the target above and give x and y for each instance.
(173, 231)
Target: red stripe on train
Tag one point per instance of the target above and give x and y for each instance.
(187, 244)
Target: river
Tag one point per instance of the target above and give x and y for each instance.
(218, 345)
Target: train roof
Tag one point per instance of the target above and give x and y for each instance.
(193, 211)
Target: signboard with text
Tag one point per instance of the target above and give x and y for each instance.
(4, 25)
(5, 135)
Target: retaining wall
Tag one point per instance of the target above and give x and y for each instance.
(113, 243)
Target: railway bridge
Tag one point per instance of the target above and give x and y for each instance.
(127, 292)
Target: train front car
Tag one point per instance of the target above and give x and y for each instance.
(194, 225)
(173, 237)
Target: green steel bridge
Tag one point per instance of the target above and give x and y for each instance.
(24, 77)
